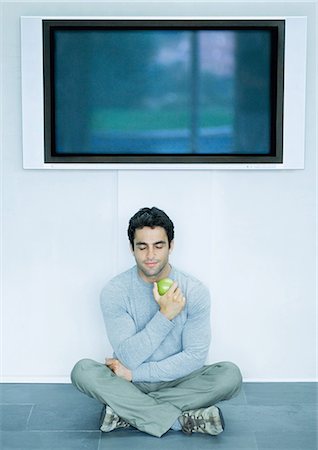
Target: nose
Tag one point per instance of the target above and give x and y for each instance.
(150, 253)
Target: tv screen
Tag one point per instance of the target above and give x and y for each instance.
(163, 91)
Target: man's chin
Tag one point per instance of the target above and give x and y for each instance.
(152, 274)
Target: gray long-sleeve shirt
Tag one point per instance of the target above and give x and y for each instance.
(144, 340)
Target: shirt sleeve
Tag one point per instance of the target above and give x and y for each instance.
(196, 338)
(132, 348)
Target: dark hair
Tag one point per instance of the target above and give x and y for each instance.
(150, 217)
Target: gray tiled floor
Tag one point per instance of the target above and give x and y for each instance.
(265, 416)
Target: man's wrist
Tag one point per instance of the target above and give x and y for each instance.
(165, 314)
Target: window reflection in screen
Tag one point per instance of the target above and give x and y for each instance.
(162, 91)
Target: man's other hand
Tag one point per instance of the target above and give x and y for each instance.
(171, 303)
(118, 368)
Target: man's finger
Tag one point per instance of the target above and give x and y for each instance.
(173, 289)
(109, 361)
(156, 292)
(112, 366)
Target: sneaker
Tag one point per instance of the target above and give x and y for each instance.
(204, 420)
(109, 420)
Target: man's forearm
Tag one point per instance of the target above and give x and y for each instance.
(136, 349)
(169, 369)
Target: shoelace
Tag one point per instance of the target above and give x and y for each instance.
(192, 423)
(122, 423)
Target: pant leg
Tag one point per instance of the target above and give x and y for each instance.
(202, 388)
(134, 406)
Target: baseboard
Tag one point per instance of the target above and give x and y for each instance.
(60, 380)
(63, 380)
(280, 380)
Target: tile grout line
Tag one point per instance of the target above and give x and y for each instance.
(99, 440)
(255, 441)
(29, 417)
(16, 404)
(62, 431)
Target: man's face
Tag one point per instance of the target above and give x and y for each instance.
(151, 252)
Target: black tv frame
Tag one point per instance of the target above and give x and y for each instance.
(277, 28)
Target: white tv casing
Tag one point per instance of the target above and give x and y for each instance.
(294, 99)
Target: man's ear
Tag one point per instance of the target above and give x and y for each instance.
(171, 246)
(131, 248)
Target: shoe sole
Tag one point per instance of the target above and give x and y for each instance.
(102, 416)
(217, 420)
(221, 419)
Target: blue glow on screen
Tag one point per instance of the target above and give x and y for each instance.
(162, 91)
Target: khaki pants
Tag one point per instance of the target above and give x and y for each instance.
(154, 407)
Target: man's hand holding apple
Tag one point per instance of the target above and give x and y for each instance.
(172, 302)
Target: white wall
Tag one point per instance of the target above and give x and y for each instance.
(250, 235)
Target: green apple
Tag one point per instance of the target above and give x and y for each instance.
(164, 285)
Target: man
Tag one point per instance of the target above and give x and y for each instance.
(157, 379)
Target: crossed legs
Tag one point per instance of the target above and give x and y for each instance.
(154, 407)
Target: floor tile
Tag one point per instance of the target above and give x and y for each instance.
(38, 393)
(270, 419)
(14, 417)
(264, 416)
(280, 393)
(66, 417)
(174, 440)
(287, 441)
(33, 440)
(235, 417)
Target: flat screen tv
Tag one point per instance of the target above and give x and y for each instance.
(163, 91)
